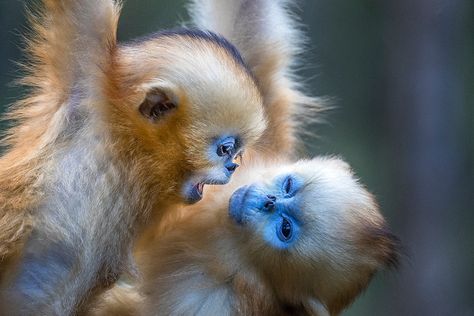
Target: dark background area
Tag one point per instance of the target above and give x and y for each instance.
(400, 74)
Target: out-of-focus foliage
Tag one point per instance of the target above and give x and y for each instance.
(401, 76)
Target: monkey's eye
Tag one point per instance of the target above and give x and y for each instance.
(285, 230)
(156, 105)
(288, 185)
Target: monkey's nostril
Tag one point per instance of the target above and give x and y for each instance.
(269, 205)
(271, 197)
(270, 202)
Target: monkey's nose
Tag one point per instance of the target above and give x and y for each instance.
(271, 197)
(226, 147)
(231, 167)
(269, 204)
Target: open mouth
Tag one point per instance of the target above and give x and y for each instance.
(200, 188)
(193, 188)
(193, 192)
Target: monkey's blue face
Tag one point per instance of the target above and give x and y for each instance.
(272, 209)
(222, 154)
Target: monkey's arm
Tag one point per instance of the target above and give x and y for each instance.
(68, 257)
(68, 51)
(70, 46)
(266, 34)
(67, 54)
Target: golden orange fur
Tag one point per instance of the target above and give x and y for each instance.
(85, 170)
(198, 261)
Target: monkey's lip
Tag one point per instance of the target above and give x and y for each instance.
(194, 192)
(199, 189)
(193, 188)
(236, 204)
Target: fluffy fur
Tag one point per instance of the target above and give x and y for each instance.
(201, 260)
(206, 260)
(266, 33)
(204, 263)
(89, 164)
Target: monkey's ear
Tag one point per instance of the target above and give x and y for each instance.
(160, 99)
(262, 30)
(315, 308)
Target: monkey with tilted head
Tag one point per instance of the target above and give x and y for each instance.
(299, 238)
(108, 136)
(287, 236)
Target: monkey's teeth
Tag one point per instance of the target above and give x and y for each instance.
(200, 188)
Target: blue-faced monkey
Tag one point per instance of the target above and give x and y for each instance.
(107, 137)
(287, 236)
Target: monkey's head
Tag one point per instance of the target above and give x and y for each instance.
(313, 232)
(186, 106)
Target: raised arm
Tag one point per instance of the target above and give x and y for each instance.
(68, 53)
(72, 44)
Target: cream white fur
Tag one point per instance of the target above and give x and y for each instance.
(261, 29)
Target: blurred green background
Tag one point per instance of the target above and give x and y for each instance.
(401, 76)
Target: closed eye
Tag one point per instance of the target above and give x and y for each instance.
(288, 185)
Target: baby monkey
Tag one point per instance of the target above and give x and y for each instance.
(300, 238)
(284, 237)
(108, 136)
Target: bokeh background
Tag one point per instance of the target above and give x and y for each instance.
(400, 74)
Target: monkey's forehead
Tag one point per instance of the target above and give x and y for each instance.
(205, 65)
(195, 36)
